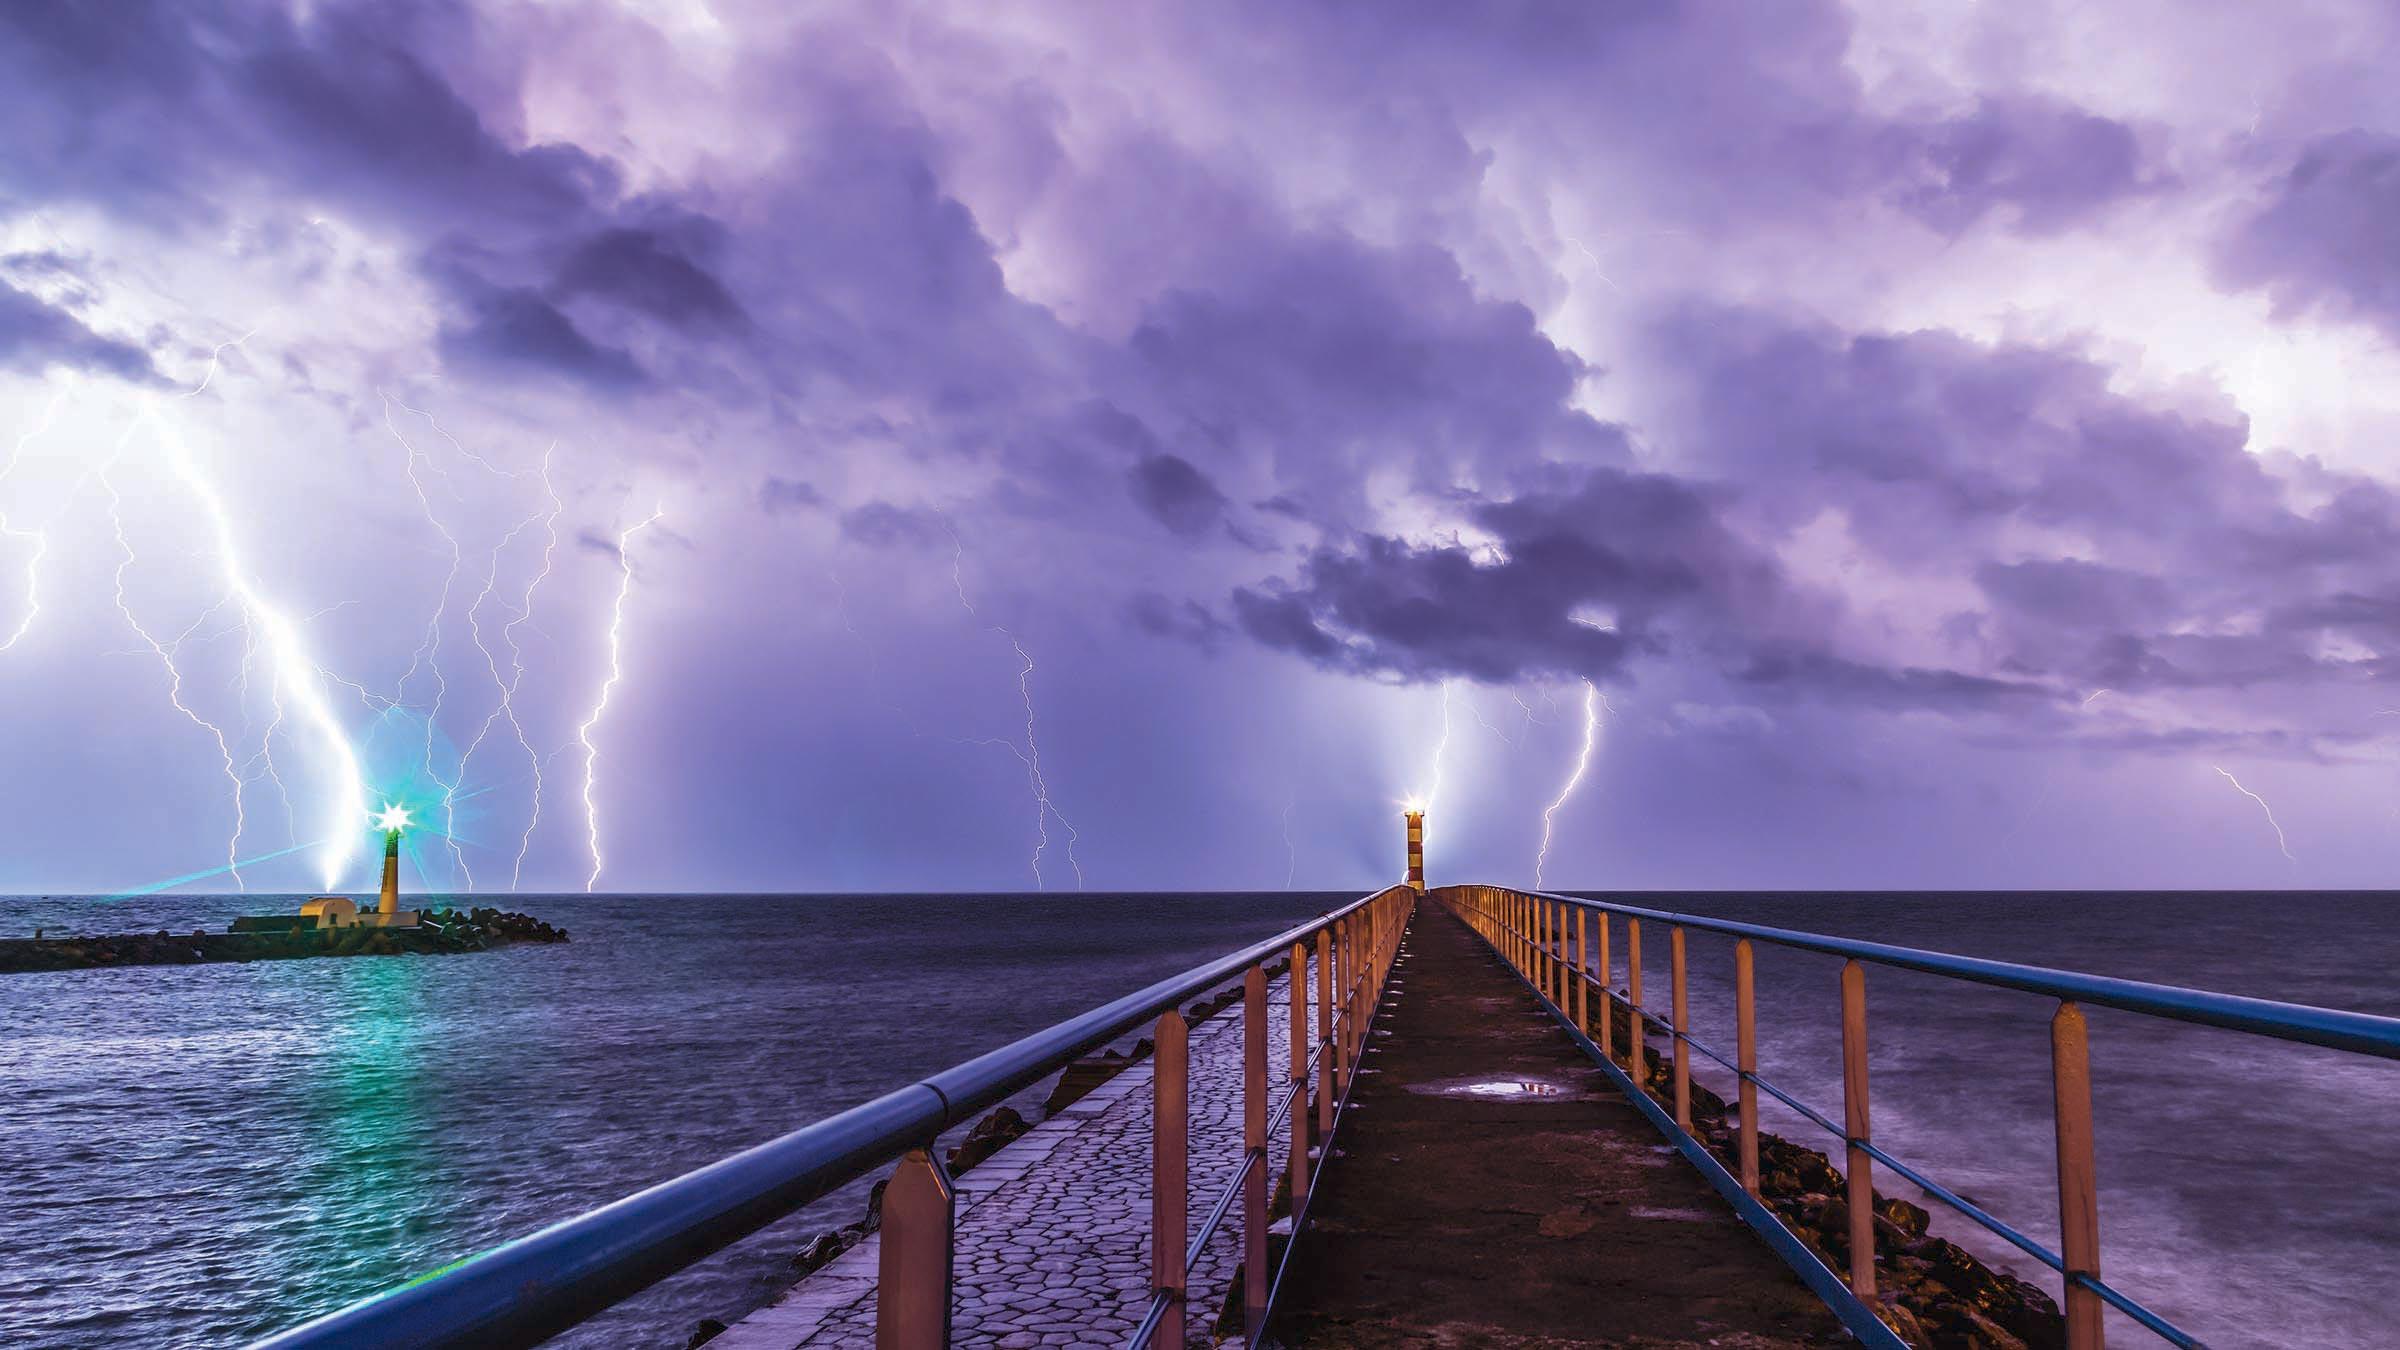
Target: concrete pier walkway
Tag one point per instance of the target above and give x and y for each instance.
(1490, 1187)
(1053, 1238)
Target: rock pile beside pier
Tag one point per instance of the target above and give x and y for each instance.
(439, 931)
(1933, 1291)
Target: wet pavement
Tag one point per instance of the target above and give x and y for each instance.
(1491, 1187)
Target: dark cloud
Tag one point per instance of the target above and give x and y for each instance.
(1586, 571)
(1177, 495)
(780, 496)
(2048, 165)
(1183, 619)
(1886, 689)
(883, 525)
(155, 108)
(518, 331)
(2323, 239)
(648, 270)
(35, 336)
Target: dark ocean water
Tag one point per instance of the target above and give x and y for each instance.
(194, 1156)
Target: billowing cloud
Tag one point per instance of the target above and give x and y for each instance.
(35, 336)
(2322, 238)
(1715, 353)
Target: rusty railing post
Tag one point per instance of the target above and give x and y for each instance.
(912, 1286)
(1341, 1010)
(1254, 1155)
(1170, 1170)
(1556, 968)
(2078, 1177)
(1679, 1007)
(1633, 991)
(1541, 946)
(1324, 1046)
(1608, 994)
(1854, 1113)
(1299, 1082)
(1353, 1048)
(1583, 980)
(1745, 1017)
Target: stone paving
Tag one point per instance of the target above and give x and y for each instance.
(1053, 1238)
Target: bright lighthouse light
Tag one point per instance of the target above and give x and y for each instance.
(393, 818)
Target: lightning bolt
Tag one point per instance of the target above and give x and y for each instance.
(506, 708)
(1045, 809)
(1583, 762)
(428, 654)
(40, 538)
(166, 656)
(616, 673)
(1594, 259)
(296, 675)
(1441, 752)
(1291, 852)
(2280, 843)
(1486, 723)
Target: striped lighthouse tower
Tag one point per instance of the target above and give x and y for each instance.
(1416, 849)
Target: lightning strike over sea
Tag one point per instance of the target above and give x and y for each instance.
(1583, 764)
(608, 687)
(1030, 753)
(296, 673)
(2280, 843)
(40, 538)
(505, 688)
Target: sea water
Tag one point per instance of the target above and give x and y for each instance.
(198, 1155)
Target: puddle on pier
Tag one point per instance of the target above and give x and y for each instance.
(1505, 1088)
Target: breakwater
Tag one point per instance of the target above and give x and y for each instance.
(440, 931)
(1937, 1292)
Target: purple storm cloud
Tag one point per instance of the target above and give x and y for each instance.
(1945, 444)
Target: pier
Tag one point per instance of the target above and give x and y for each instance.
(1463, 1115)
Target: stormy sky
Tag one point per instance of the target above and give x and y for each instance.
(761, 446)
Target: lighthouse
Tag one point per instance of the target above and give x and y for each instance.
(392, 820)
(1416, 848)
(390, 903)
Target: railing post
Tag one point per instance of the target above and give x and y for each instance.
(1583, 983)
(1680, 1008)
(1541, 946)
(1745, 1017)
(1633, 991)
(912, 1288)
(1608, 994)
(1299, 1081)
(1254, 1145)
(1555, 952)
(1326, 1065)
(1340, 1026)
(2078, 1178)
(1563, 965)
(1351, 1045)
(1854, 1113)
(1170, 1174)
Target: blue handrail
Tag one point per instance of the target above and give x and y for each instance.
(2361, 1033)
(528, 1290)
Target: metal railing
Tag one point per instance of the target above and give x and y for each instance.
(1357, 962)
(532, 1288)
(1546, 938)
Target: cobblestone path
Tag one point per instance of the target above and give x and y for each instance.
(1053, 1231)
